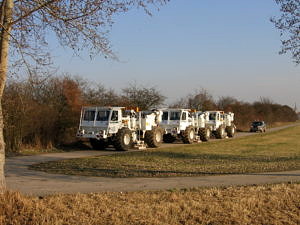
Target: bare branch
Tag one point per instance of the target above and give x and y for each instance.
(30, 12)
(289, 26)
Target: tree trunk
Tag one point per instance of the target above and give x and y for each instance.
(6, 18)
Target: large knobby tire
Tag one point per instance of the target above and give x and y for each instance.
(204, 134)
(123, 140)
(98, 144)
(220, 133)
(188, 136)
(230, 131)
(169, 138)
(154, 137)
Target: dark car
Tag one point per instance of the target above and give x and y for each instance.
(258, 126)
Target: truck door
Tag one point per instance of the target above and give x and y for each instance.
(115, 121)
(184, 121)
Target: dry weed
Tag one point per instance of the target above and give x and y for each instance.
(271, 204)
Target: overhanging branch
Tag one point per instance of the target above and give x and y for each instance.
(42, 5)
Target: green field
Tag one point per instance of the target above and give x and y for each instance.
(274, 151)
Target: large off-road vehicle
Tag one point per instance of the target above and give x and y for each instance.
(221, 124)
(201, 123)
(229, 125)
(178, 123)
(124, 129)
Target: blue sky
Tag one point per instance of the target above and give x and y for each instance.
(228, 47)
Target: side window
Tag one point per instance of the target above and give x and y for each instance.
(114, 116)
(183, 117)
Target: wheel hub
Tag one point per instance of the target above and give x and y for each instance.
(208, 133)
(158, 137)
(222, 131)
(126, 139)
(192, 135)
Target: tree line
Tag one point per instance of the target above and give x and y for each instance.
(44, 112)
(245, 112)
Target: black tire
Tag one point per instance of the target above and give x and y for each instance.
(230, 131)
(169, 138)
(98, 144)
(204, 134)
(188, 136)
(123, 140)
(154, 137)
(220, 133)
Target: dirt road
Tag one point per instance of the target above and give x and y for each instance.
(19, 178)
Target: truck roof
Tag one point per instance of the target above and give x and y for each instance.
(103, 107)
(174, 109)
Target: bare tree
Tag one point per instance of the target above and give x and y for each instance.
(142, 97)
(201, 100)
(180, 103)
(289, 26)
(80, 25)
(225, 102)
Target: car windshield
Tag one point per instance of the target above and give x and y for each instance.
(175, 115)
(89, 115)
(257, 123)
(103, 115)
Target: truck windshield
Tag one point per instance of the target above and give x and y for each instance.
(103, 115)
(257, 124)
(165, 116)
(175, 116)
(89, 115)
(212, 116)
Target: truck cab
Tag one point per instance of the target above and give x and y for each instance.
(178, 123)
(100, 122)
(221, 124)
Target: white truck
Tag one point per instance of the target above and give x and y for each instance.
(124, 129)
(201, 123)
(221, 124)
(229, 125)
(178, 123)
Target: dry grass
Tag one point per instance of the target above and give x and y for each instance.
(280, 124)
(272, 204)
(268, 152)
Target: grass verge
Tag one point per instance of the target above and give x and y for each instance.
(268, 152)
(33, 151)
(28, 151)
(270, 204)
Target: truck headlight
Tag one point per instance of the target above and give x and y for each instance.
(80, 132)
